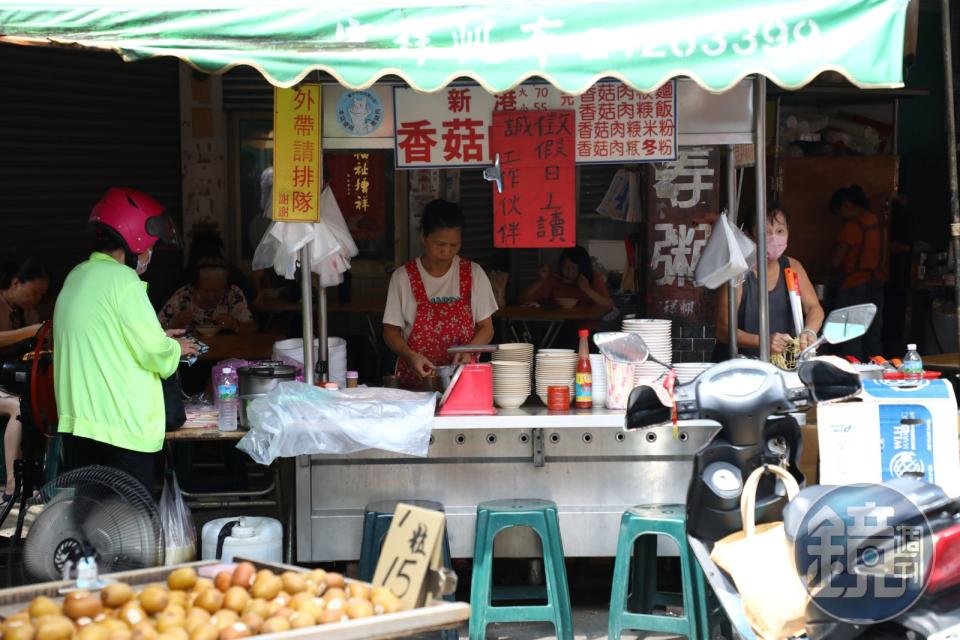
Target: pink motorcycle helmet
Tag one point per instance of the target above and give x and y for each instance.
(136, 217)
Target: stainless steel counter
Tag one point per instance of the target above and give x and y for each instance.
(582, 460)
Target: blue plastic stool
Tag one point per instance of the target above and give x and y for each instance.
(541, 516)
(652, 521)
(377, 518)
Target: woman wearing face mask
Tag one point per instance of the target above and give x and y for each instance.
(781, 316)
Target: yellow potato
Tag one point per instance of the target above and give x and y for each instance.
(205, 631)
(211, 600)
(384, 603)
(95, 631)
(294, 583)
(224, 618)
(314, 607)
(203, 584)
(358, 590)
(357, 608)
(132, 613)
(236, 598)
(267, 587)
(275, 625)
(259, 607)
(253, 622)
(43, 606)
(81, 604)
(182, 579)
(335, 580)
(116, 595)
(54, 628)
(154, 599)
(18, 630)
(235, 631)
(331, 616)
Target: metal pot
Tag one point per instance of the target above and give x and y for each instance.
(257, 381)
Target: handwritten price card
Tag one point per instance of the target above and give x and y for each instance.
(413, 546)
(537, 207)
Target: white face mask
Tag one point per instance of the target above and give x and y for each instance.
(142, 263)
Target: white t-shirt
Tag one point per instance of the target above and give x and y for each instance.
(401, 308)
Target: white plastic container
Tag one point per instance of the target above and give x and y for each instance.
(253, 538)
(336, 349)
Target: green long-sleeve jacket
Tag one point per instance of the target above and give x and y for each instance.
(110, 354)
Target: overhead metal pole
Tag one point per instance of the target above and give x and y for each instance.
(306, 295)
(952, 158)
(760, 151)
(732, 217)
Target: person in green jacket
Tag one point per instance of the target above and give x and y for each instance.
(110, 352)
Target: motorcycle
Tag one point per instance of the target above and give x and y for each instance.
(752, 403)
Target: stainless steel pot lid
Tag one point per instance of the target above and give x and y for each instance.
(280, 371)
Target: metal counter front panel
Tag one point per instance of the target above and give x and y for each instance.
(592, 472)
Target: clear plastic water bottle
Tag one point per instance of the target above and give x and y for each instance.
(912, 366)
(227, 405)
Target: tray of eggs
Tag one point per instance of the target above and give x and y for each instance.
(212, 601)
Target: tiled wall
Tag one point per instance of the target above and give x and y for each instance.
(693, 343)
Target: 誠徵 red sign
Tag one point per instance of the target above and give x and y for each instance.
(613, 123)
(537, 207)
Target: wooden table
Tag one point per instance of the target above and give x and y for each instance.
(947, 362)
(256, 346)
(513, 315)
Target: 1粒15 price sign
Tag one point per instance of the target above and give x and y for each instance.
(412, 547)
(537, 207)
(297, 171)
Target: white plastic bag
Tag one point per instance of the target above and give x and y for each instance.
(728, 255)
(179, 534)
(300, 419)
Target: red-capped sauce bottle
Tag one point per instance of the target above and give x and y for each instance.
(584, 396)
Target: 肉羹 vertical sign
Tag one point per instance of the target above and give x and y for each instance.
(537, 207)
(297, 171)
(412, 547)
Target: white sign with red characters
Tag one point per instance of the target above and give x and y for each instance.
(614, 123)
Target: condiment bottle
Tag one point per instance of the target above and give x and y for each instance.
(353, 379)
(584, 396)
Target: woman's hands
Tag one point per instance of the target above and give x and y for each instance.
(420, 363)
(778, 342)
(187, 347)
(807, 338)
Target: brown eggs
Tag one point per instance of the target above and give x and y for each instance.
(243, 575)
(81, 604)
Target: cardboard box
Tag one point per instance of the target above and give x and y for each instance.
(810, 456)
(891, 429)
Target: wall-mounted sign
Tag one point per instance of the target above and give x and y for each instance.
(614, 123)
(297, 172)
(357, 119)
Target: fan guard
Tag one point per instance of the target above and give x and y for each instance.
(98, 509)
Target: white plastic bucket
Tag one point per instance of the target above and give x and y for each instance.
(252, 537)
(336, 355)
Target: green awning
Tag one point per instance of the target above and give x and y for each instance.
(498, 43)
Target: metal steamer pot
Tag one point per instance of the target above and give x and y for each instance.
(257, 381)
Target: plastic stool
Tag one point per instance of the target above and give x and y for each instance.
(541, 516)
(651, 521)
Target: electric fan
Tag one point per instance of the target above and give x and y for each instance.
(97, 512)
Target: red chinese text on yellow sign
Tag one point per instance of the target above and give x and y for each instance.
(297, 169)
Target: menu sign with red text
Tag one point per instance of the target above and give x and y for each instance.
(537, 207)
(613, 124)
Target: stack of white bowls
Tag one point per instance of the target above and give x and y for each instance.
(599, 373)
(512, 366)
(555, 367)
(657, 334)
(687, 371)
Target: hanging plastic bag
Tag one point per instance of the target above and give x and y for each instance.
(300, 419)
(179, 534)
(728, 255)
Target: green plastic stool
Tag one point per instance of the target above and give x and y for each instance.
(651, 521)
(541, 516)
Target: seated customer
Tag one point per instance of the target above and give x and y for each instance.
(206, 244)
(22, 286)
(209, 300)
(576, 279)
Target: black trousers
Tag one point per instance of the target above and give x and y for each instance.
(82, 452)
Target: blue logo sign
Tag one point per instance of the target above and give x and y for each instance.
(360, 112)
(864, 553)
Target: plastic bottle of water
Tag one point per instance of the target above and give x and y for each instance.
(912, 367)
(227, 392)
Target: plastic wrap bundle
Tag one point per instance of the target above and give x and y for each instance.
(300, 419)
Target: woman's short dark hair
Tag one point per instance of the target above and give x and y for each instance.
(579, 256)
(441, 214)
(854, 194)
(774, 209)
(208, 264)
(25, 271)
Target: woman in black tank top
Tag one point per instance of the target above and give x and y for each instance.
(782, 327)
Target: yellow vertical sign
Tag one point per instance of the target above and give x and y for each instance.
(297, 170)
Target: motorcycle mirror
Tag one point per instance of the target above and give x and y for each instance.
(827, 381)
(644, 409)
(848, 323)
(628, 348)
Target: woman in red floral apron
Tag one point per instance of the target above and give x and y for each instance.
(437, 301)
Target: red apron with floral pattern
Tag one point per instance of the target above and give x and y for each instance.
(437, 325)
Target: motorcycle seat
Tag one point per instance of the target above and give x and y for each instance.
(925, 496)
